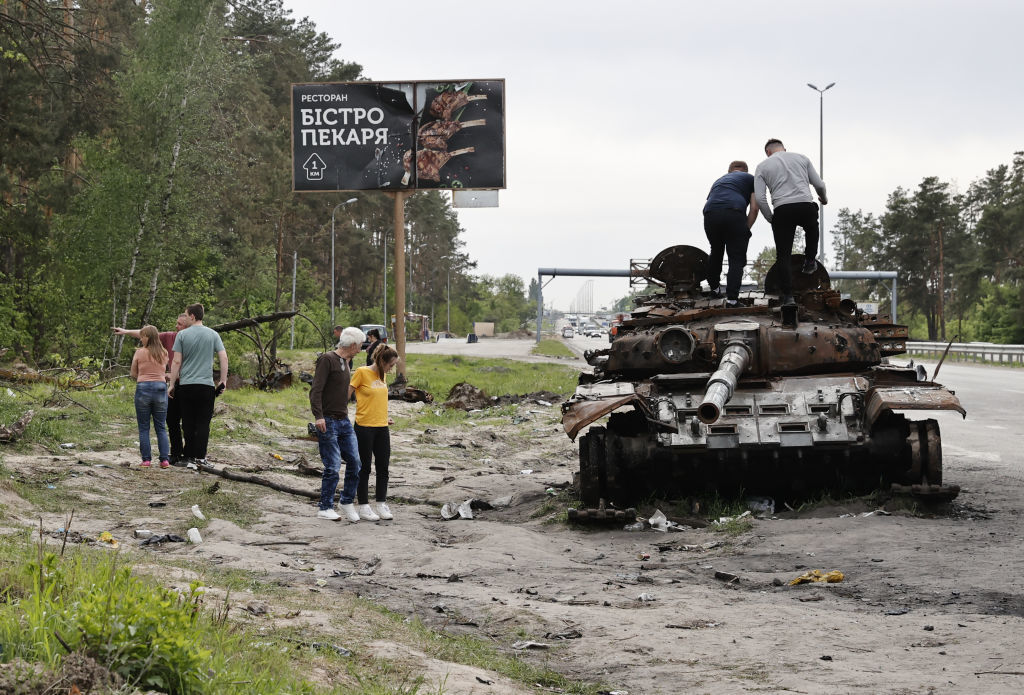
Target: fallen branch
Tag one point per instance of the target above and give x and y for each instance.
(253, 321)
(9, 434)
(256, 480)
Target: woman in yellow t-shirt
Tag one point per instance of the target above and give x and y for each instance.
(372, 433)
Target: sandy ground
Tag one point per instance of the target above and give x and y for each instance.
(932, 601)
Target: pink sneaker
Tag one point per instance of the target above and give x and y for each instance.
(146, 463)
(164, 463)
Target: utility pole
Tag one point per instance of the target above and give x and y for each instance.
(821, 164)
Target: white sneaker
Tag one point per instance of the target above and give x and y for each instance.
(366, 513)
(350, 511)
(328, 514)
(383, 511)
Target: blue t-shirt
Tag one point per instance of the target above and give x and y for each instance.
(731, 192)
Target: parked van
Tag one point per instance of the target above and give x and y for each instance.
(568, 332)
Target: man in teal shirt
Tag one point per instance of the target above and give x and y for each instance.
(192, 381)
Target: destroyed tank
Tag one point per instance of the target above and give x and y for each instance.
(757, 398)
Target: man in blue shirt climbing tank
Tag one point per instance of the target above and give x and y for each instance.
(727, 223)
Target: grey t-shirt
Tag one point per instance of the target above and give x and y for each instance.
(789, 176)
(198, 345)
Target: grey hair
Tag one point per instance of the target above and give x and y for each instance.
(351, 336)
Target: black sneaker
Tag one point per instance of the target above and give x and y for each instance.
(715, 293)
(179, 461)
(732, 302)
(810, 265)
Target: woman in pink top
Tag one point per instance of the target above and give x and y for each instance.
(151, 394)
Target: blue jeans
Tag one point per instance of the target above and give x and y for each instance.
(151, 401)
(337, 443)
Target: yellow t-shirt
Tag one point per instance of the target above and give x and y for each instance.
(371, 398)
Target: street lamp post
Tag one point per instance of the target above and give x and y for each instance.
(350, 200)
(821, 163)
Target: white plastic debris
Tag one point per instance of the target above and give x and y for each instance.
(462, 510)
(761, 505)
(658, 521)
(67, 445)
(193, 536)
(198, 513)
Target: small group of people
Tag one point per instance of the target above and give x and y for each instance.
(362, 445)
(731, 210)
(176, 389)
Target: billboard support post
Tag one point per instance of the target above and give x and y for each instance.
(399, 215)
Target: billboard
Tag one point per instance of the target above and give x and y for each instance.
(357, 136)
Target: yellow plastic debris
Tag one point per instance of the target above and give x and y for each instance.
(277, 456)
(818, 576)
(107, 539)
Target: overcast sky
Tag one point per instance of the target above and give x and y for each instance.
(619, 115)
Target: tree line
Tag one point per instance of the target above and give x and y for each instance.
(145, 163)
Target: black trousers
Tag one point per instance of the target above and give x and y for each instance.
(784, 223)
(375, 444)
(174, 425)
(196, 403)
(727, 232)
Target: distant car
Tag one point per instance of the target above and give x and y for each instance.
(567, 332)
(594, 333)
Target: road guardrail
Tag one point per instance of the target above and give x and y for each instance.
(969, 352)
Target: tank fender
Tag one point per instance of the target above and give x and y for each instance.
(918, 397)
(579, 414)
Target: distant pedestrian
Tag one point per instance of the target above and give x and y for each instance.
(789, 176)
(173, 411)
(372, 335)
(151, 394)
(192, 381)
(328, 399)
(729, 213)
(373, 432)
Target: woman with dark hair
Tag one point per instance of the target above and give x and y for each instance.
(151, 395)
(372, 432)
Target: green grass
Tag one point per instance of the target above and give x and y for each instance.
(552, 348)
(439, 373)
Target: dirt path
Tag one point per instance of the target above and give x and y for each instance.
(930, 603)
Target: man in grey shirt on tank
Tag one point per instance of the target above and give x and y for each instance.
(192, 381)
(789, 176)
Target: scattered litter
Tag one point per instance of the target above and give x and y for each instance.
(526, 471)
(727, 577)
(709, 545)
(197, 513)
(369, 567)
(929, 628)
(157, 504)
(551, 492)
(142, 533)
(643, 556)
(166, 538)
(897, 611)
(636, 526)
(695, 624)
(324, 646)
(528, 644)
(107, 540)
(321, 582)
(193, 536)
(818, 576)
(571, 633)
(485, 682)
(826, 657)
(277, 456)
(340, 573)
(646, 598)
(544, 403)
(67, 445)
(658, 521)
(727, 519)
(761, 505)
(811, 599)
(463, 510)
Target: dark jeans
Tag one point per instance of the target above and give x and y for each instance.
(196, 404)
(337, 443)
(151, 401)
(728, 233)
(375, 443)
(785, 220)
(174, 426)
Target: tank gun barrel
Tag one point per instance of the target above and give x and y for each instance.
(723, 382)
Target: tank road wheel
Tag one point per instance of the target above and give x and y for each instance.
(925, 452)
(592, 465)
